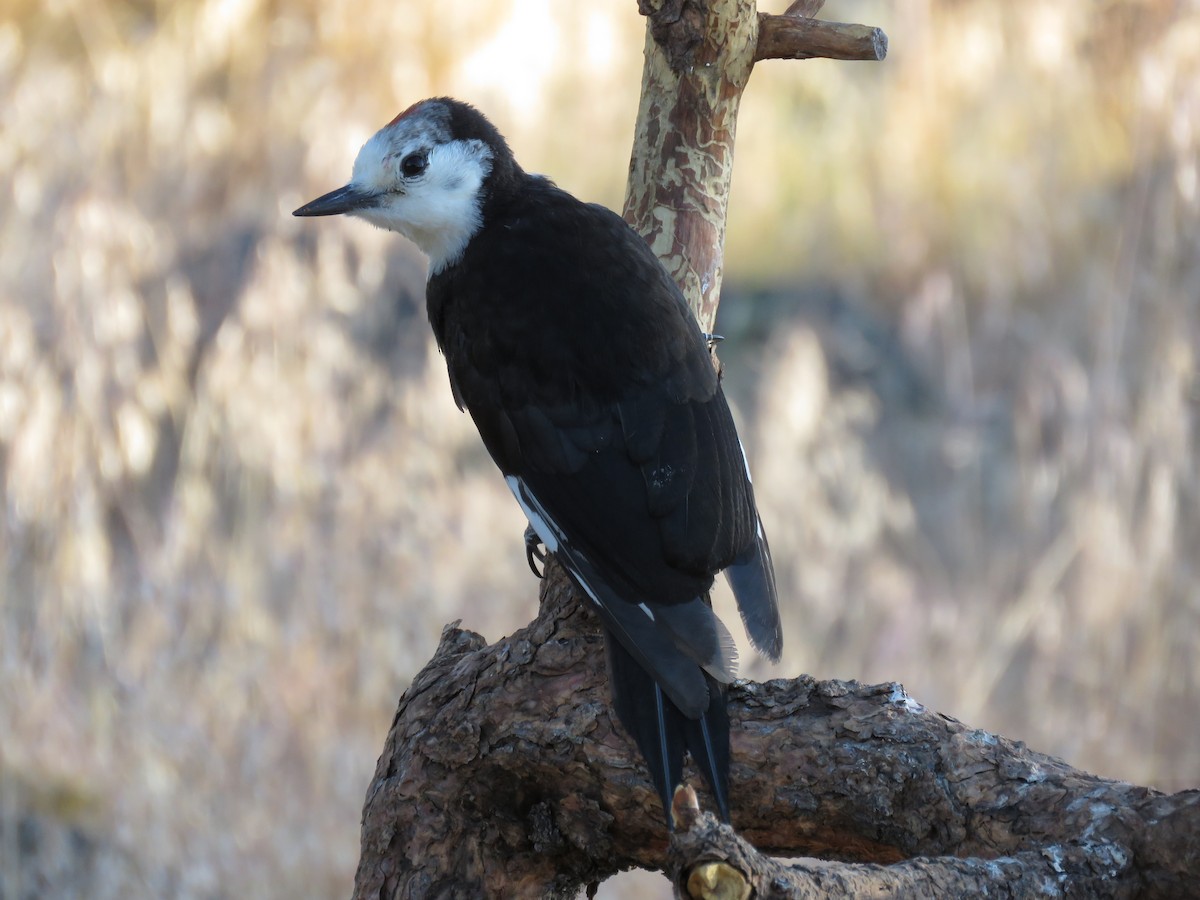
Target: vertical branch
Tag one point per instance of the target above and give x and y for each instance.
(698, 58)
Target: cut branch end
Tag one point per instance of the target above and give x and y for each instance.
(797, 37)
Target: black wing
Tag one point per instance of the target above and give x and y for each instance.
(593, 390)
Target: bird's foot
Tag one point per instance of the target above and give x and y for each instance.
(534, 551)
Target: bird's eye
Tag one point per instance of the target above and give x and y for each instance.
(413, 164)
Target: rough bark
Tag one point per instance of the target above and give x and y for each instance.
(505, 774)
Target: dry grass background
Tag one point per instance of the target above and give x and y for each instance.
(963, 310)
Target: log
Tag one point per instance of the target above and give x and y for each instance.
(505, 774)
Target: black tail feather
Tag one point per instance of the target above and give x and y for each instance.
(752, 577)
(663, 733)
(708, 742)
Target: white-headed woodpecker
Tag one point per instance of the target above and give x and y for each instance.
(592, 387)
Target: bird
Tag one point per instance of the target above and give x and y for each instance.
(593, 389)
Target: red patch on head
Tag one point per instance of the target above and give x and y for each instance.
(405, 113)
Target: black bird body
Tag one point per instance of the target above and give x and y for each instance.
(588, 378)
(593, 390)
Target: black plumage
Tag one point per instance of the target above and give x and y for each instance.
(592, 387)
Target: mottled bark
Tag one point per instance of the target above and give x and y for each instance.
(505, 774)
(697, 61)
(698, 58)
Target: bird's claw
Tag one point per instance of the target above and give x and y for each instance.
(534, 551)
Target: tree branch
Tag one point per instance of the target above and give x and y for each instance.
(1093, 869)
(504, 774)
(793, 37)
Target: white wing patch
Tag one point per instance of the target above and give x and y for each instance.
(549, 532)
(745, 460)
(535, 514)
(673, 643)
(746, 463)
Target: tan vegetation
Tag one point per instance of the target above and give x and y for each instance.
(963, 310)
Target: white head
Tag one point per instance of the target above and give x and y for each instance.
(422, 175)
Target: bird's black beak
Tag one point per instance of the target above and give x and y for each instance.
(343, 200)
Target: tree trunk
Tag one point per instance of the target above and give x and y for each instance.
(697, 64)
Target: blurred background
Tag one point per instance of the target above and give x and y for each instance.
(963, 315)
